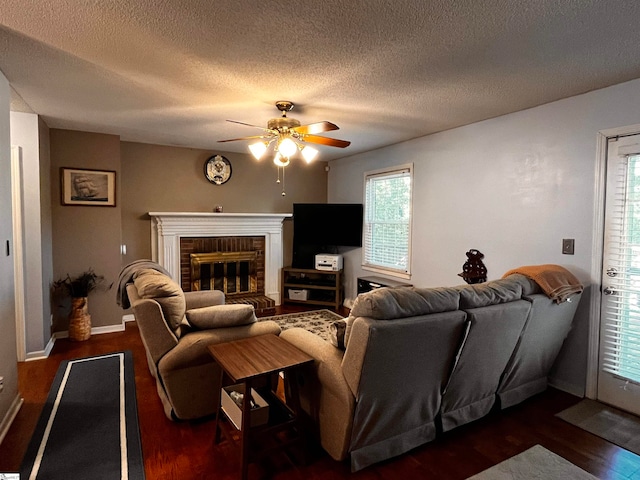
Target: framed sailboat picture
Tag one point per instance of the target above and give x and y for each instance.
(88, 187)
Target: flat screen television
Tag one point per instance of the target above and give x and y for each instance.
(322, 227)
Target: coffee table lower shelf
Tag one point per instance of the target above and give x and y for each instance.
(281, 431)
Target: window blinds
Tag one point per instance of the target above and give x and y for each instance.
(621, 310)
(388, 220)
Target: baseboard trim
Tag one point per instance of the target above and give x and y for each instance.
(108, 329)
(567, 387)
(41, 354)
(128, 318)
(10, 416)
(95, 330)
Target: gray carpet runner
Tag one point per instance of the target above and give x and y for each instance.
(88, 428)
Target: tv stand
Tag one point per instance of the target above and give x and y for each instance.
(323, 287)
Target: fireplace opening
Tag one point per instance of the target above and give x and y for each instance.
(234, 273)
(234, 265)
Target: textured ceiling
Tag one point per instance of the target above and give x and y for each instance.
(171, 72)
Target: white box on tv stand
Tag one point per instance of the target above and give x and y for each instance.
(329, 262)
(298, 294)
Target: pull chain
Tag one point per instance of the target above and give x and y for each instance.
(283, 192)
(278, 167)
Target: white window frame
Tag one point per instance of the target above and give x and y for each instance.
(400, 273)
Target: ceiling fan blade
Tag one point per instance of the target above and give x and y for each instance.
(332, 142)
(243, 138)
(318, 127)
(249, 125)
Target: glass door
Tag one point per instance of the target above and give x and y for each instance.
(619, 355)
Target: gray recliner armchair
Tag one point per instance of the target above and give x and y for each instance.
(176, 327)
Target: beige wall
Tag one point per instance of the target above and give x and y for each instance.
(171, 179)
(155, 178)
(86, 236)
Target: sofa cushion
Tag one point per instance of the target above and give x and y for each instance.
(391, 303)
(219, 316)
(153, 284)
(490, 293)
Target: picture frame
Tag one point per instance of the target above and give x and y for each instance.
(88, 187)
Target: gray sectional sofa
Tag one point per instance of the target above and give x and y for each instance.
(420, 361)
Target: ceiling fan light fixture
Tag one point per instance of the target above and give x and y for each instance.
(286, 147)
(280, 160)
(258, 149)
(285, 136)
(309, 153)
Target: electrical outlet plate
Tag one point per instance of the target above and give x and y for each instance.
(568, 246)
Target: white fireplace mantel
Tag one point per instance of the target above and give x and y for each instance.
(168, 227)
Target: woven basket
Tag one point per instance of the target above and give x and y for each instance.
(79, 320)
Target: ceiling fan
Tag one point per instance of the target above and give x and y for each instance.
(289, 136)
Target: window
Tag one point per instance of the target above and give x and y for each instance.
(387, 221)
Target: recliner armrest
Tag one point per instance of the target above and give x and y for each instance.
(154, 331)
(221, 316)
(192, 347)
(203, 298)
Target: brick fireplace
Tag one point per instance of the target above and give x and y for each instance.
(231, 250)
(219, 258)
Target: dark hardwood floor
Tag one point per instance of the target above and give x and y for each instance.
(185, 450)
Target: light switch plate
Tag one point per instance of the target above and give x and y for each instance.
(568, 246)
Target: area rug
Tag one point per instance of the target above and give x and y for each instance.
(89, 424)
(537, 463)
(607, 422)
(315, 321)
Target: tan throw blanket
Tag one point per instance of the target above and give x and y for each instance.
(126, 276)
(556, 281)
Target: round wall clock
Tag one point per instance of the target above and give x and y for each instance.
(217, 169)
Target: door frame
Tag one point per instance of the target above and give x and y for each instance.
(597, 252)
(18, 251)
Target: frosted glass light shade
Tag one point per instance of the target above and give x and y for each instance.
(257, 149)
(309, 153)
(281, 161)
(287, 147)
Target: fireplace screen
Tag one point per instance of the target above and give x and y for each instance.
(232, 272)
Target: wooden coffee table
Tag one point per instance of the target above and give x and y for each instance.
(248, 360)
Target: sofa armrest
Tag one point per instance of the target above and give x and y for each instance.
(325, 395)
(330, 357)
(158, 339)
(203, 298)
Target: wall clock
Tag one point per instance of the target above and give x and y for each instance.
(217, 169)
